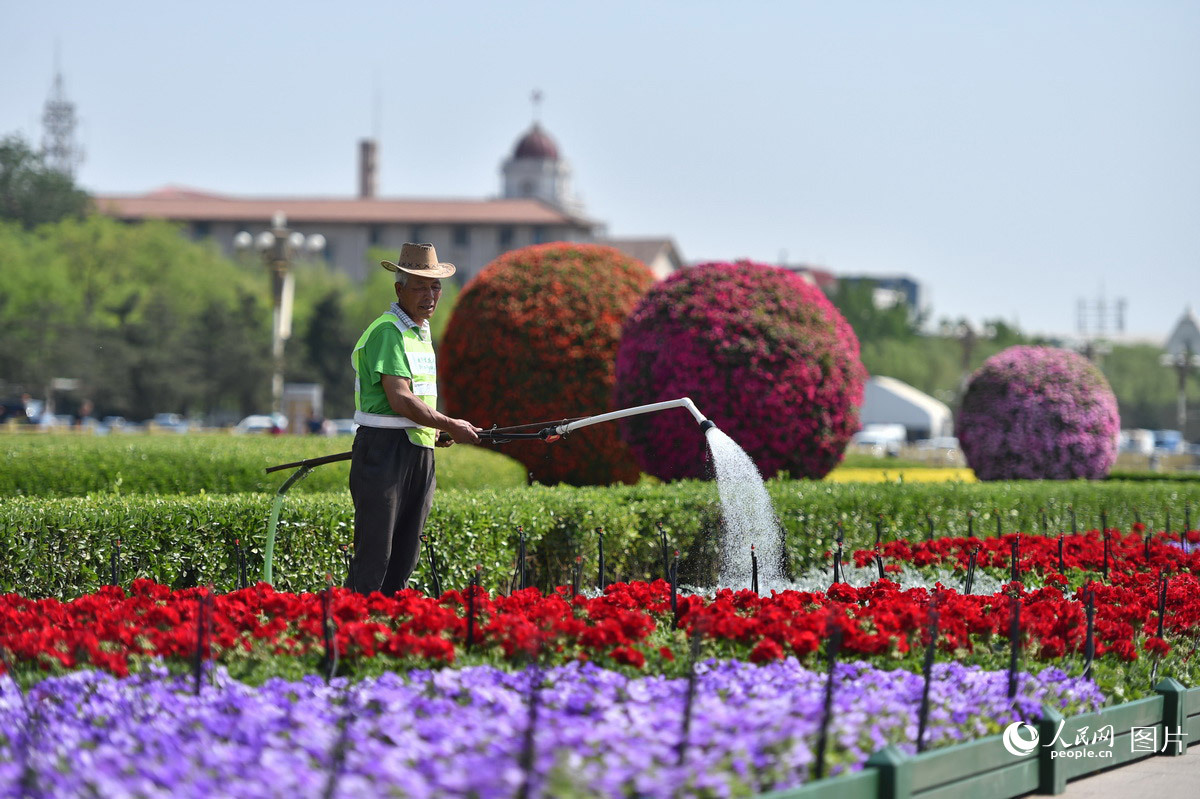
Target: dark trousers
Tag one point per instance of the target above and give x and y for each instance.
(391, 483)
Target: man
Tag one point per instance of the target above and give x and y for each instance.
(395, 399)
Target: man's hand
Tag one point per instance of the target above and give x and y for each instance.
(444, 440)
(463, 432)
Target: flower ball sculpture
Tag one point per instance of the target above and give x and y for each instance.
(762, 353)
(533, 338)
(1038, 413)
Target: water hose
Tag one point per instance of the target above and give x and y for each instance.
(544, 431)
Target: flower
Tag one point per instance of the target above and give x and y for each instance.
(533, 337)
(1038, 413)
(763, 354)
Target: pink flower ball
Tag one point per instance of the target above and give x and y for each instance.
(1039, 413)
(762, 353)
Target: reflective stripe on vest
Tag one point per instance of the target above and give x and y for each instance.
(422, 364)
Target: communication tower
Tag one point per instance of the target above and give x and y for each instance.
(58, 137)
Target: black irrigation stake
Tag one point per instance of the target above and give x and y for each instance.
(1146, 538)
(1089, 643)
(689, 699)
(435, 578)
(529, 740)
(578, 576)
(1104, 520)
(1162, 604)
(471, 586)
(1104, 568)
(928, 527)
(666, 554)
(675, 590)
(879, 543)
(753, 570)
(203, 619)
(338, 757)
(114, 564)
(1014, 646)
(600, 541)
(999, 532)
(833, 647)
(1061, 563)
(927, 671)
(838, 577)
(1016, 558)
(522, 578)
(970, 583)
(244, 577)
(970, 524)
(330, 660)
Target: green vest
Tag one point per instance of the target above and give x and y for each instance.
(423, 365)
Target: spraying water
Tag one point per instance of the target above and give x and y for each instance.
(749, 518)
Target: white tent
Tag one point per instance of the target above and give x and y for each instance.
(887, 400)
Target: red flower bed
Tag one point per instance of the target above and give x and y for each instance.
(533, 338)
(626, 625)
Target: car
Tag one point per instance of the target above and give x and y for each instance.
(172, 422)
(342, 427)
(261, 423)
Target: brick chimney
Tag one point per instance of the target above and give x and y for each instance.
(367, 150)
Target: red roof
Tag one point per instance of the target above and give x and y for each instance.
(536, 144)
(184, 204)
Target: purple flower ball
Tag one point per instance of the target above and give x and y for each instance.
(1039, 413)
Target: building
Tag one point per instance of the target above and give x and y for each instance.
(888, 401)
(536, 205)
(660, 255)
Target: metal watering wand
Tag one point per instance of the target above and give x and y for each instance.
(544, 431)
(553, 431)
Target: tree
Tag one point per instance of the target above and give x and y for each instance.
(856, 302)
(32, 193)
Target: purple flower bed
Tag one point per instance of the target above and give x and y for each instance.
(459, 732)
(1038, 413)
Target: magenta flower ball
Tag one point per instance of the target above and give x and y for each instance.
(1038, 413)
(762, 353)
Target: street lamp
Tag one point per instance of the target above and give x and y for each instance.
(1183, 355)
(278, 247)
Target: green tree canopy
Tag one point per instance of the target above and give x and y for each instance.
(32, 193)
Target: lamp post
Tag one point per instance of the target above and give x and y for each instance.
(1181, 355)
(279, 246)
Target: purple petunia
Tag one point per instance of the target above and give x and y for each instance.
(460, 733)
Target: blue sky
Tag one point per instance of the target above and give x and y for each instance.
(1013, 157)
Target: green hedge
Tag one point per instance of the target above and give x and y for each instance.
(62, 547)
(72, 465)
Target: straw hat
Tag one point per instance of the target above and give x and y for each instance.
(420, 260)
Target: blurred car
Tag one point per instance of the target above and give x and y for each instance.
(342, 427)
(939, 449)
(261, 423)
(879, 439)
(172, 422)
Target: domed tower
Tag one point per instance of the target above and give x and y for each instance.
(535, 169)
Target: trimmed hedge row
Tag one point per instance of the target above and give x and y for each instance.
(73, 465)
(63, 547)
